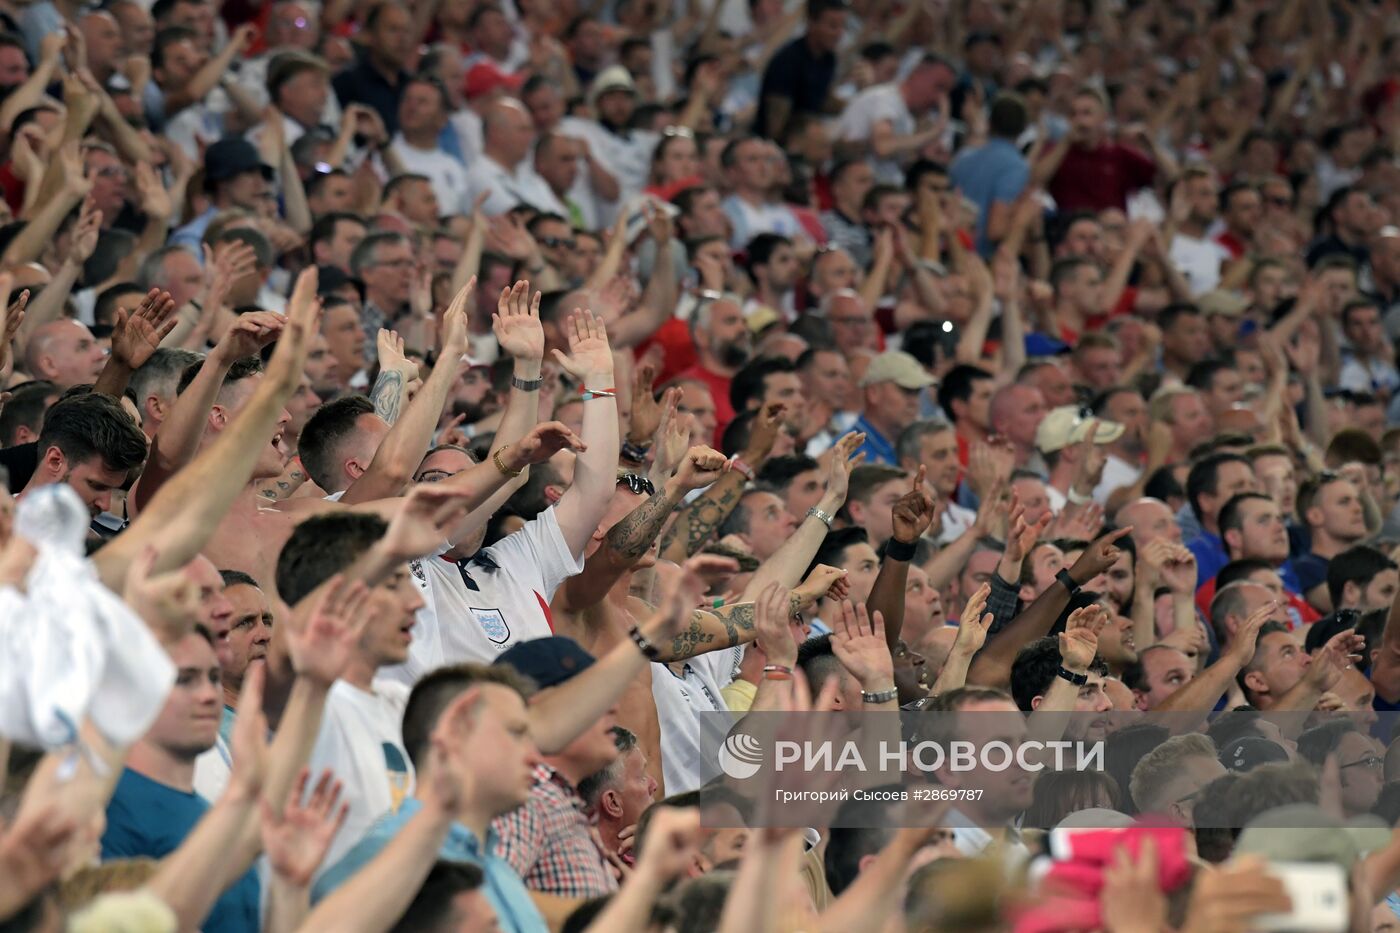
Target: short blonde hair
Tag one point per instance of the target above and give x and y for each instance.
(1159, 407)
(1161, 765)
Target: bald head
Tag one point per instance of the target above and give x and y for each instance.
(1151, 519)
(507, 132)
(65, 353)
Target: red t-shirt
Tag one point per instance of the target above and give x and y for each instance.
(719, 389)
(1100, 178)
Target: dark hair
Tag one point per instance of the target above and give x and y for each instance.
(324, 227)
(241, 369)
(921, 167)
(818, 661)
(238, 578)
(436, 691)
(1241, 569)
(92, 426)
(321, 547)
(1057, 794)
(1035, 669)
(25, 409)
(1317, 743)
(861, 827)
(835, 544)
(748, 384)
(1358, 565)
(1007, 117)
(432, 906)
(761, 248)
(957, 385)
(166, 37)
(325, 429)
(777, 473)
(1174, 312)
(1231, 516)
(1202, 375)
(1204, 478)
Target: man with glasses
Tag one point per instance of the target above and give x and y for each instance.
(386, 264)
(1358, 763)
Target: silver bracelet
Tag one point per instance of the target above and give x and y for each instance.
(826, 518)
(884, 696)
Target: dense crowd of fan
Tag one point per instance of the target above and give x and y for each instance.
(421, 419)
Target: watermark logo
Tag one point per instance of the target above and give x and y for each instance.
(740, 756)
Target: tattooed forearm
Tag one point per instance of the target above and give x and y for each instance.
(387, 395)
(735, 618)
(700, 519)
(631, 537)
(688, 643)
(703, 633)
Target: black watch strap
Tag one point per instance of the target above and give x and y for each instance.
(1078, 680)
(1064, 577)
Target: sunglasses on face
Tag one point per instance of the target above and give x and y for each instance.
(554, 242)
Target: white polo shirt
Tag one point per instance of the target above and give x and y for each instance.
(687, 758)
(506, 189)
(476, 609)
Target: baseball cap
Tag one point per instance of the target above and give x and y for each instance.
(1068, 425)
(231, 156)
(898, 367)
(547, 661)
(1221, 302)
(484, 77)
(1249, 752)
(612, 78)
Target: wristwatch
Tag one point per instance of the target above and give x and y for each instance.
(884, 696)
(1064, 577)
(1078, 680)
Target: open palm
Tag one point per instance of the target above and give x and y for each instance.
(589, 352)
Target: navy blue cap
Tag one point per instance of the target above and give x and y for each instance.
(547, 661)
(1249, 752)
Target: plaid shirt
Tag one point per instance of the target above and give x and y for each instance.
(551, 842)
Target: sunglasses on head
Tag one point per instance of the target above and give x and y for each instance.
(638, 484)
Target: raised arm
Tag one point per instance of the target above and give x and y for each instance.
(518, 331)
(912, 513)
(591, 363)
(697, 521)
(135, 337)
(630, 539)
(407, 442)
(659, 299)
(184, 514)
(790, 561)
(992, 667)
(178, 439)
(206, 78)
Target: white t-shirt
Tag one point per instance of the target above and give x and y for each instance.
(1198, 261)
(361, 740)
(687, 760)
(507, 189)
(871, 106)
(627, 158)
(1117, 473)
(212, 770)
(747, 221)
(447, 176)
(506, 601)
(956, 520)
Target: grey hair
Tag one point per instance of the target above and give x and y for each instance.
(152, 270)
(910, 439)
